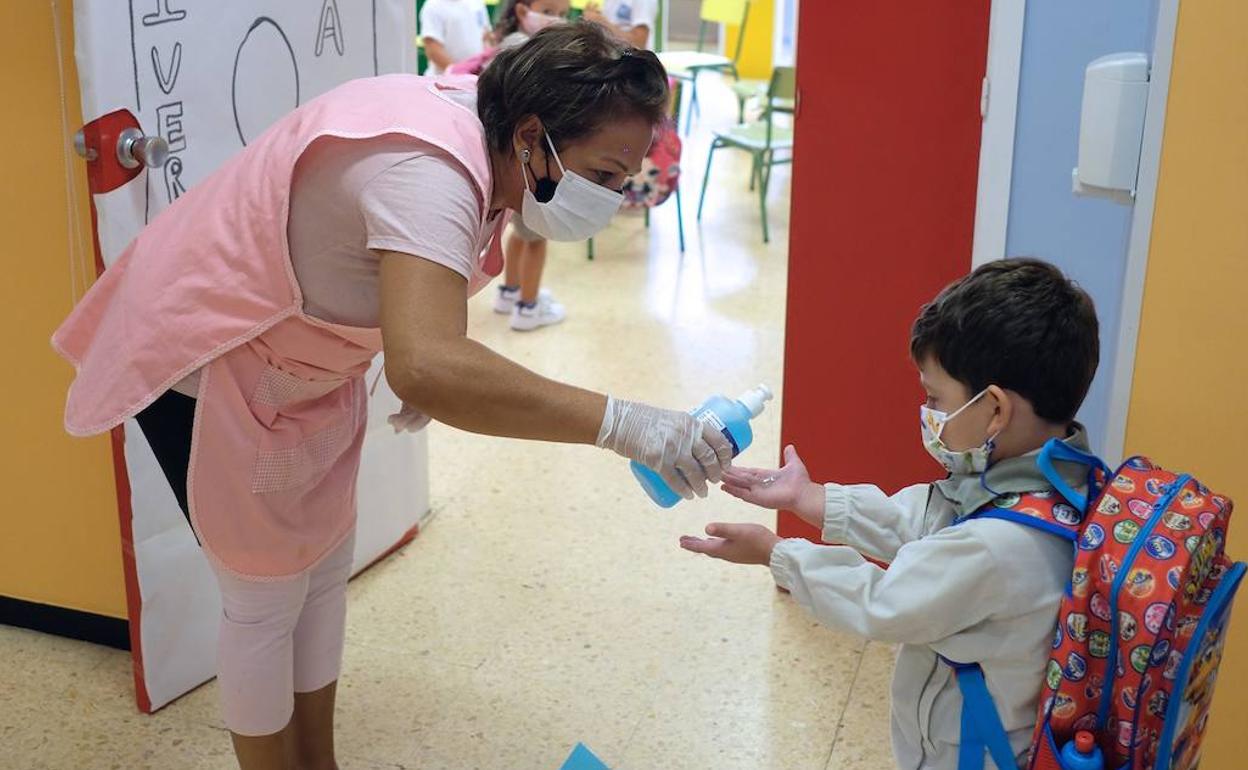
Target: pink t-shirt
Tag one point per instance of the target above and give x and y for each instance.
(351, 199)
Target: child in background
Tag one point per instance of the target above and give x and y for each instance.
(522, 19)
(521, 295)
(631, 20)
(1006, 356)
(453, 30)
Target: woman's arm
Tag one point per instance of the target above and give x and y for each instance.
(433, 365)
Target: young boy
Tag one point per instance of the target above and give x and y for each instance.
(1006, 355)
(453, 30)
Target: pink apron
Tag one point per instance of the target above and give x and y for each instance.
(209, 284)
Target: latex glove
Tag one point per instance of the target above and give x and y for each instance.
(409, 419)
(683, 451)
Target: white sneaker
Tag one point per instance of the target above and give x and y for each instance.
(507, 299)
(545, 312)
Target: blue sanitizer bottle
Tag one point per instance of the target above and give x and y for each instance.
(1082, 753)
(731, 417)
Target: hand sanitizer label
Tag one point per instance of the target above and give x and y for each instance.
(709, 417)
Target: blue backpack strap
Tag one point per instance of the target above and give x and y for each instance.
(1056, 449)
(981, 724)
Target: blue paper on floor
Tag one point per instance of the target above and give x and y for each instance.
(583, 759)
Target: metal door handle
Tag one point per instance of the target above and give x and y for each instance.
(134, 149)
(117, 150)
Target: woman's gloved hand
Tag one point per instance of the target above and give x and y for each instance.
(409, 419)
(683, 451)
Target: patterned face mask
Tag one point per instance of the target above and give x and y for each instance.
(966, 461)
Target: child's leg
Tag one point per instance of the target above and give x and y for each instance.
(535, 307)
(513, 253)
(318, 642)
(255, 667)
(531, 268)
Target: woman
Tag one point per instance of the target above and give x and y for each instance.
(521, 295)
(237, 328)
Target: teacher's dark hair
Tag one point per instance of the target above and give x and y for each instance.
(574, 78)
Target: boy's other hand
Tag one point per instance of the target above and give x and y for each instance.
(737, 543)
(789, 487)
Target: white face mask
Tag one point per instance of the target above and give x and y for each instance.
(966, 461)
(534, 22)
(578, 209)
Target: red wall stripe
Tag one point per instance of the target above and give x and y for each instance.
(125, 514)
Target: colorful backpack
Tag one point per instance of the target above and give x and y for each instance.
(660, 171)
(1140, 629)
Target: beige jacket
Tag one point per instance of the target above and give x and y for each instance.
(983, 590)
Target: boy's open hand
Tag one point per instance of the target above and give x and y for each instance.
(738, 543)
(789, 487)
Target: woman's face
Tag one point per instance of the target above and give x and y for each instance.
(606, 157)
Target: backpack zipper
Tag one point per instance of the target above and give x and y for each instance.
(1111, 668)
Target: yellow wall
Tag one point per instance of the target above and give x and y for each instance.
(756, 59)
(1189, 403)
(61, 542)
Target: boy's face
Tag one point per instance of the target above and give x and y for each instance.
(944, 393)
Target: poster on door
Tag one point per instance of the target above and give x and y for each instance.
(209, 77)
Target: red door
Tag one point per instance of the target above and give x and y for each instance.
(884, 182)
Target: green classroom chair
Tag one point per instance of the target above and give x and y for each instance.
(687, 65)
(762, 139)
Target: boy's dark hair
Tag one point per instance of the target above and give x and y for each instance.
(574, 77)
(1019, 324)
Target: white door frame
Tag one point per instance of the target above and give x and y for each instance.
(779, 56)
(999, 109)
(1123, 372)
(996, 161)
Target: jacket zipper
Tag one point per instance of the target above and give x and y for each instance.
(925, 729)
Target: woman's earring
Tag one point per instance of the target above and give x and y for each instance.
(525, 154)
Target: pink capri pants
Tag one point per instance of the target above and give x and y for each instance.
(279, 638)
